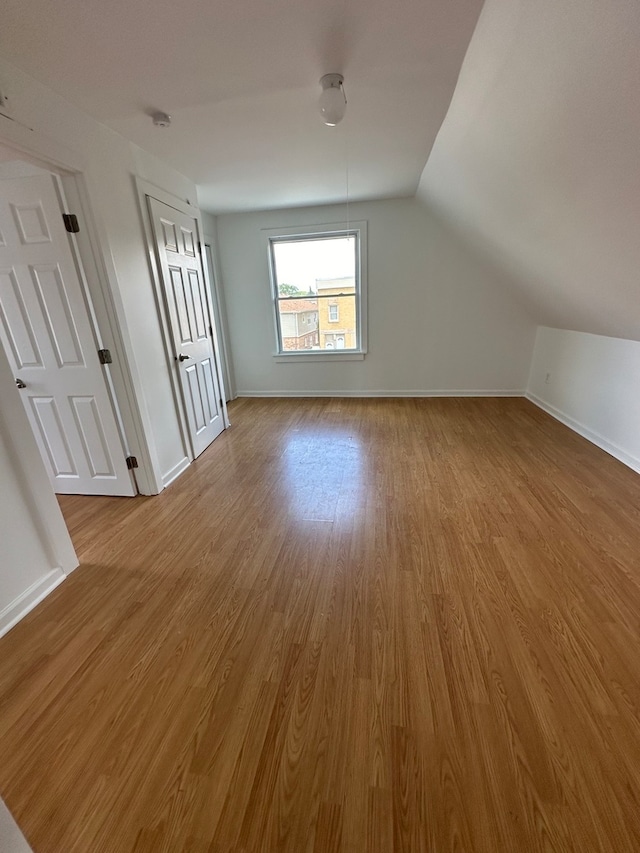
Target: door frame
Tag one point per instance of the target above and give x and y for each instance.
(217, 295)
(146, 190)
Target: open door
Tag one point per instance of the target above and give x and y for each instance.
(190, 323)
(47, 335)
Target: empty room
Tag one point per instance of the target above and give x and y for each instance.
(319, 427)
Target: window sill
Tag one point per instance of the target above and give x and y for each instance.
(321, 355)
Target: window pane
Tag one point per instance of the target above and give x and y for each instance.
(300, 263)
(317, 289)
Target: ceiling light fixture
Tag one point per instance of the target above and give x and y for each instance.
(333, 101)
(161, 119)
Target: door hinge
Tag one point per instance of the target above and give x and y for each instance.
(210, 330)
(104, 356)
(71, 222)
(132, 462)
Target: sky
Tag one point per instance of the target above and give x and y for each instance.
(301, 262)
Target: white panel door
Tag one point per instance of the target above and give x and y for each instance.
(45, 330)
(183, 283)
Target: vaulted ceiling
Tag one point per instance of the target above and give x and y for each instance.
(241, 81)
(538, 160)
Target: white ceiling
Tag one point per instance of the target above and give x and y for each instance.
(6, 154)
(538, 161)
(240, 78)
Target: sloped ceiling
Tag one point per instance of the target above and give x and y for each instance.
(538, 159)
(241, 81)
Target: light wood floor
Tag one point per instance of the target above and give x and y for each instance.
(353, 625)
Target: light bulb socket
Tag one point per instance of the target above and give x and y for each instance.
(333, 101)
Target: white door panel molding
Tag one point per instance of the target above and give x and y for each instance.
(48, 336)
(189, 322)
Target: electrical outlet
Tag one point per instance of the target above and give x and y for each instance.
(547, 379)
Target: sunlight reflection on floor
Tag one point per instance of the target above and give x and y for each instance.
(324, 473)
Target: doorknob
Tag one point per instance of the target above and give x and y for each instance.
(183, 357)
(20, 383)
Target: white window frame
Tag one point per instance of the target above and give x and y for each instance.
(313, 232)
(335, 319)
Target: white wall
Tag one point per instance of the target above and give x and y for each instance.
(109, 163)
(440, 319)
(35, 549)
(591, 383)
(537, 159)
(11, 839)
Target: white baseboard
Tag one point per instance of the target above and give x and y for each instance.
(436, 393)
(171, 475)
(595, 438)
(29, 599)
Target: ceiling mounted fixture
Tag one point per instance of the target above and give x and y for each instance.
(333, 101)
(161, 119)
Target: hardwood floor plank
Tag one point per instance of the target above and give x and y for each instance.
(351, 625)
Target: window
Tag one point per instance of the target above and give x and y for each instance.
(318, 280)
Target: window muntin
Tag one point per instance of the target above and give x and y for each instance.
(318, 291)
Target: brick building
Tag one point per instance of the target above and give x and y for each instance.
(337, 322)
(299, 323)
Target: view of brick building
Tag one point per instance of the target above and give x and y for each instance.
(299, 323)
(337, 314)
